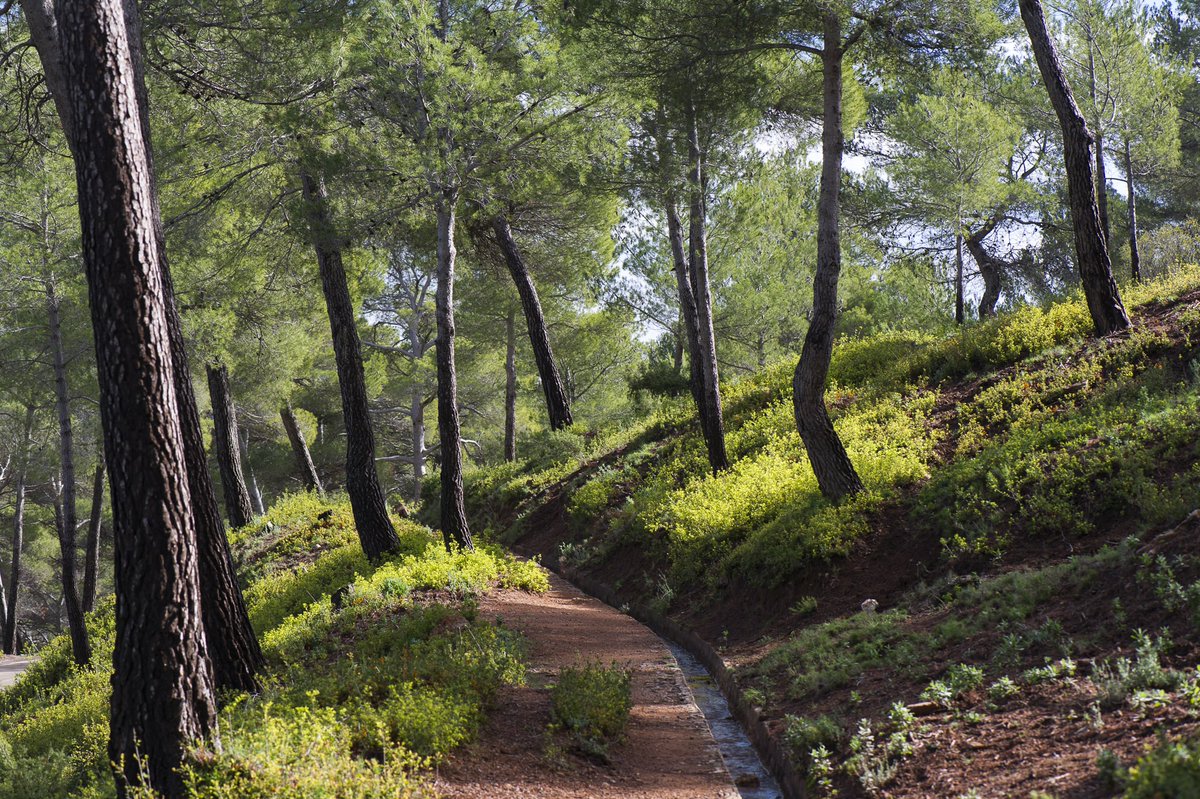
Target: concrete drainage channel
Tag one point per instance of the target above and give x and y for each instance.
(751, 777)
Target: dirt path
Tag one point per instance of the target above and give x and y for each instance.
(669, 752)
(11, 667)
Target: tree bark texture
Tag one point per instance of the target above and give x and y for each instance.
(91, 559)
(831, 465)
(227, 446)
(375, 530)
(1091, 247)
(162, 691)
(714, 429)
(304, 461)
(80, 646)
(1135, 256)
(18, 537)
(510, 390)
(557, 405)
(455, 529)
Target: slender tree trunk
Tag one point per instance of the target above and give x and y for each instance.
(960, 315)
(687, 309)
(831, 465)
(1135, 257)
(162, 692)
(418, 441)
(91, 564)
(990, 268)
(677, 344)
(375, 529)
(510, 391)
(80, 646)
(304, 461)
(455, 529)
(18, 538)
(1091, 248)
(228, 451)
(1102, 190)
(256, 497)
(539, 338)
(714, 433)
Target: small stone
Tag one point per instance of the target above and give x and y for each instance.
(870, 605)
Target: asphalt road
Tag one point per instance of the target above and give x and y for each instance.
(11, 667)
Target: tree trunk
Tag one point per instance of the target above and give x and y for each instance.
(510, 391)
(256, 497)
(162, 692)
(228, 451)
(18, 539)
(539, 338)
(80, 646)
(831, 465)
(1135, 257)
(1091, 248)
(960, 315)
(1102, 190)
(231, 643)
(455, 529)
(375, 530)
(714, 433)
(687, 310)
(677, 336)
(304, 461)
(91, 563)
(991, 268)
(418, 441)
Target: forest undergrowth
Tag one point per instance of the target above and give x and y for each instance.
(1002, 589)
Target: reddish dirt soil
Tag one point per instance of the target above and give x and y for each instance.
(668, 753)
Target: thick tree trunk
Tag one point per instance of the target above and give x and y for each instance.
(960, 315)
(1135, 257)
(1091, 248)
(231, 643)
(18, 538)
(228, 450)
(418, 441)
(162, 692)
(557, 405)
(91, 560)
(455, 529)
(375, 529)
(510, 391)
(304, 461)
(991, 268)
(714, 432)
(831, 465)
(80, 646)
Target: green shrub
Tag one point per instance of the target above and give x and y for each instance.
(590, 704)
(1171, 770)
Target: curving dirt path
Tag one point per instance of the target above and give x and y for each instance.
(669, 752)
(11, 667)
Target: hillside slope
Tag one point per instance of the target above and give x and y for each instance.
(1033, 630)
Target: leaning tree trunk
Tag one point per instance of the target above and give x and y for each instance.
(375, 530)
(455, 529)
(228, 451)
(91, 560)
(539, 338)
(18, 538)
(1091, 247)
(714, 433)
(80, 646)
(510, 390)
(162, 691)
(1135, 257)
(687, 310)
(304, 461)
(831, 465)
(232, 645)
